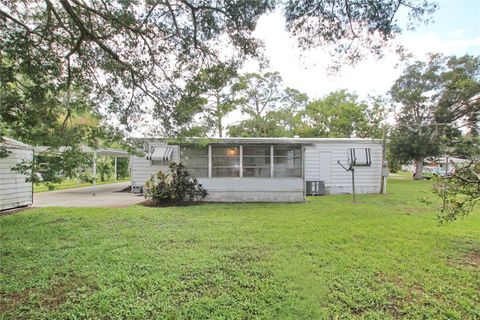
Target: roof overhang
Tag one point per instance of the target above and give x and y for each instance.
(243, 141)
(9, 143)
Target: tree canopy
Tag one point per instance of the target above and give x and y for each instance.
(289, 112)
(342, 114)
(134, 56)
(434, 99)
(210, 95)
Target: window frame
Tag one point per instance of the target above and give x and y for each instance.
(267, 167)
(286, 158)
(190, 168)
(237, 166)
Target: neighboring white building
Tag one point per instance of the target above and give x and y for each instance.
(14, 190)
(438, 163)
(267, 169)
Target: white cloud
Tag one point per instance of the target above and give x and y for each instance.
(457, 33)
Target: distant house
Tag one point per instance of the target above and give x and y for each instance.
(439, 163)
(267, 169)
(15, 191)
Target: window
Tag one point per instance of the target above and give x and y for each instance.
(225, 161)
(256, 161)
(287, 161)
(195, 160)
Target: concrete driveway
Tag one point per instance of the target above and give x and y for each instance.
(107, 196)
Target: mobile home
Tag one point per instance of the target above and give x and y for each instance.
(267, 169)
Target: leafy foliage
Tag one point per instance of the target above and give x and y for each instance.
(122, 168)
(52, 167)
(338, 114)
(434, 99)
(210, 95)
(257, 94)
(354, 28)
(341, 114)
(125, 52)
(174, 186)
(105, 169)
(460, 191)
(42, 112)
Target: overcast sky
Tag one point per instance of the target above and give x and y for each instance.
(455, 31)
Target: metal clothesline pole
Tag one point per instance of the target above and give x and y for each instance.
(352, 170)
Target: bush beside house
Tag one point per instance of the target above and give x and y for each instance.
(174, 187)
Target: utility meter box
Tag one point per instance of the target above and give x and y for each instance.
(137, 189)
(315, 188)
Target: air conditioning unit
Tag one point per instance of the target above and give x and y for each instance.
(316, 188)
(137, 189)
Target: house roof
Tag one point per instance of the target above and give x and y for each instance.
(266, 140)
(13, 144)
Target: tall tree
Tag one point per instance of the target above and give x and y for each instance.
(342, 114)
(289, 117)
(258, 94)
(124, 52)
(434, 99)
(209, 94)
(285, 121)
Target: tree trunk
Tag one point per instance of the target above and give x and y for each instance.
(418, 169)
(219, 115)
(219, 124)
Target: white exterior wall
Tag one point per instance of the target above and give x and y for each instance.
(14, 191)
(321, 164)
(253, 189)
(142, 169)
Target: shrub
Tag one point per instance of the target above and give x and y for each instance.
(122, 167)
(175, 186)
(105, 169)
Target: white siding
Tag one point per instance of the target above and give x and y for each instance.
(337, 180)
(142, 169)
(253, 189)
(325, 165)
(14, 191)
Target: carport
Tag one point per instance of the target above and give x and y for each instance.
(115, 153)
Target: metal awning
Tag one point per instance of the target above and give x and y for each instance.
(160, 153)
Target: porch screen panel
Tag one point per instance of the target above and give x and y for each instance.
(256, 161)
(195, 160)
(287, 161)
(225, 161)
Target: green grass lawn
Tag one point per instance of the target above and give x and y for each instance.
(71, 184)
(383, 257)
